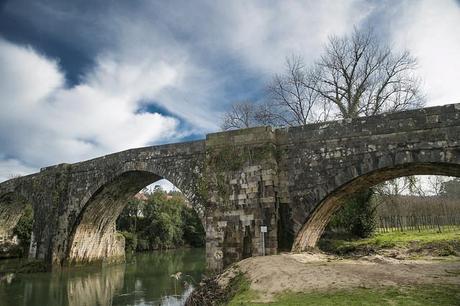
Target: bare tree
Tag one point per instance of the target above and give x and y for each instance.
(400, 186)
(292, 97)
(356, 76)
(359, 76)
(435, 183)
(241, 115)
(362, 77)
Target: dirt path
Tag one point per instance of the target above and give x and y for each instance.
(304, 272)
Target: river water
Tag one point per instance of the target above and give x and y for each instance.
(146, 279)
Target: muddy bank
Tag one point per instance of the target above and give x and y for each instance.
(272, 275)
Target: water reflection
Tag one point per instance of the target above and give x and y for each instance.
(96, 288)
(145, 280)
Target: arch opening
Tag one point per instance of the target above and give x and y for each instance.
(16, 225)
(314, 226)
(104, 228)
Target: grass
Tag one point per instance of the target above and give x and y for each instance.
(403, 238)
(209, 292)
(443, 244)
(419, 295)
(241, 293)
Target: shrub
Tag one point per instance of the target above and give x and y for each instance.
(23, 229)
(130, 241)
(357, 215)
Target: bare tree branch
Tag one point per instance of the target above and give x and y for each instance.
(362, 77)
(241, 115)
(356, 76)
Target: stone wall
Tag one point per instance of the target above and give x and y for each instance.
(326, 162)
(11, 209)
(101, 188)
(76, 205)
(242, 184)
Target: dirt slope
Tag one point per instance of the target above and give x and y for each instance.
(270, 275)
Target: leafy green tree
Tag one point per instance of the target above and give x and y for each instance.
(127, 221)
(192, 228)
(23, 229)
(130, 241)
(357, 215)
(162, 221)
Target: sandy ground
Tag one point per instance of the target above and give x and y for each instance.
(308, 271)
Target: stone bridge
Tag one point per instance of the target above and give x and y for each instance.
(290, 180)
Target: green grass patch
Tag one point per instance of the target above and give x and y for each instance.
(442, 244)
(419, 295)
(239, 292)
(403, 238)
(209, 292)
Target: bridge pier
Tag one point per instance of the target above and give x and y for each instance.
(242, 179)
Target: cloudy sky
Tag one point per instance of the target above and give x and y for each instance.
(79, 79)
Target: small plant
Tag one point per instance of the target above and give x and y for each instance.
(176, 276)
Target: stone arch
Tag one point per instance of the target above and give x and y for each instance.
(93, 235)
(316, 222)
(12, 207)
(34, 190)
(14, 197)
(161, 172)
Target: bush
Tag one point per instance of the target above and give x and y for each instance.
(142, 245)
(193, 231)
(23, 230)
(357, 215)
(130, 241)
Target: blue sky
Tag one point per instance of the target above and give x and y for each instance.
(80, 79)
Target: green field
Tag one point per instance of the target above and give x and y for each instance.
(403, 238)
(420, 295)
(441, 243)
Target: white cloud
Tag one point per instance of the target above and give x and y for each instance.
(10, 168)
(26, 78)
(430, 30)
(184, 57)
(42, 122)
(255, 37)
(265, 34)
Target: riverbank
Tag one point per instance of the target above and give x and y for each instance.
(399, 245)
(281, 279)
(396, 268)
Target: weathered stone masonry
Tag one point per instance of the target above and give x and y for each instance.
(242, 181)
(289, 180)
(327, 162)
(75, 206)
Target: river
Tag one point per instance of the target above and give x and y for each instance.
(146, 279)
